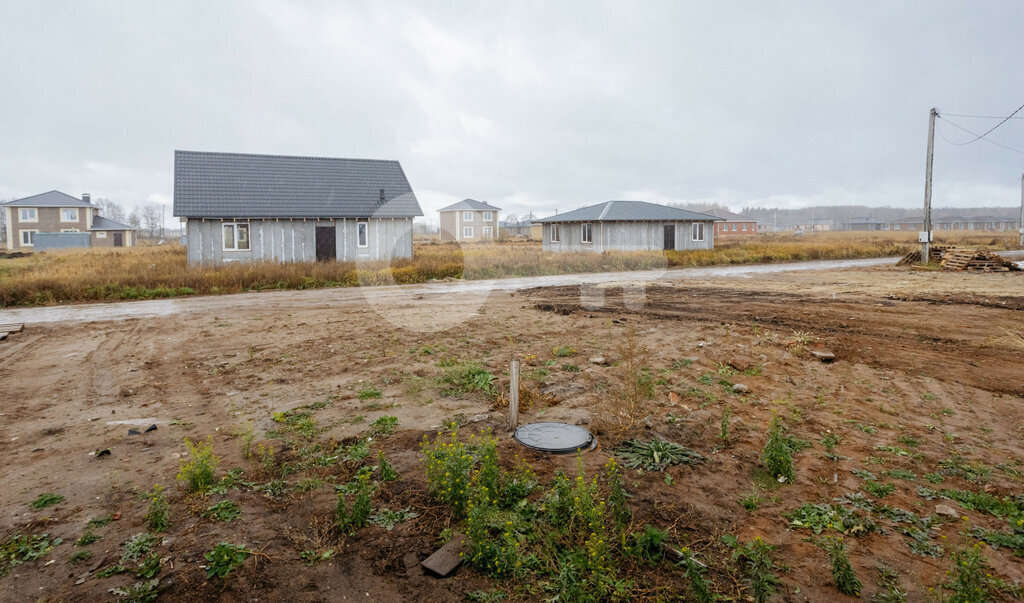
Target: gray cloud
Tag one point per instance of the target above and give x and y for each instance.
(529, 105)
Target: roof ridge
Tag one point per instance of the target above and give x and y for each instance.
(277, 156)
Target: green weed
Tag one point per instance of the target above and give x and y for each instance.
(225, 511)
(46, 499)
(225, 558)
(158, 516)
(198, 473)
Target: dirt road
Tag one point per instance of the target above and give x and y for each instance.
(919, 360)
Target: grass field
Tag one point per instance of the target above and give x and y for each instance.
(150, 272)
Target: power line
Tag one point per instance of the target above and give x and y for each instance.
(993, 128)
(985, 116)
(977, 137)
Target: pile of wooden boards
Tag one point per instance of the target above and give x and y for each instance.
(914, 257)
(969, 259)
(7, 329)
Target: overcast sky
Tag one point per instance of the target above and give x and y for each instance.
(528, 105)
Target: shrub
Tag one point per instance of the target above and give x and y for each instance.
(198, 472)
(777, 455)
(755, 558)
(158, 517)
(842, 572)
(970, 582)
(466, 377)
(448, 465)
(351, 520)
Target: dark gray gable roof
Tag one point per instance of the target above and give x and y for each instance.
(50, 199)
(237, 185)
(101, 223)
(726, 215)
(470, 204)
(627, 211)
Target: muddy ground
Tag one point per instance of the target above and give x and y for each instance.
(918, 359)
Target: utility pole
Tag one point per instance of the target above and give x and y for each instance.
(1020, 225)
(926, 236)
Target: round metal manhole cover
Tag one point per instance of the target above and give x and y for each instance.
(558, 438)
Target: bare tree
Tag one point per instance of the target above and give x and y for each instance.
(511, 218)
(151, 218)
(110, 210)
(134, 219)
(3, 226)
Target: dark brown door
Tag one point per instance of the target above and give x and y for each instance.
(670, 236)
(325, 244)
(118, 239)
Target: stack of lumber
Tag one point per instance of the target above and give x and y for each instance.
(914, 257)
(969, 259)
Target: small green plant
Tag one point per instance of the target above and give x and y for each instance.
(723, 429)
(88, 537)
(700, 587)
(158, 516)
(112, 570)
(369, 393)
(900, 474)
(654, 455)
(149, 566)
(958, 466)
(140, 592)
(225, 558)
(384, 425)
(448, 464)
(387, 471)
(829, 441)
(99, 522)
(198, 472)
(889, 581)
(821, 517)
(648, 544)
(80, 556)
(46, 499)
(909, 441)
(465, 378)
(879, 489)
(350, 520)
(247, 434)
(138, 545)
(225, 511)
(777, 454)
(19, 549)
(751, 501)
(755, 558)
(842, 572)
(312, 557)
(388, 519)
(563, 352)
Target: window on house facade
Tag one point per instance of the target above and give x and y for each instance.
(467, 232)
(555, 238)
(488, 216)
(28, 237)
(69, 214)
(586, 233)
(362, 234)
(744, 227)
(28, 214)
(236, 236)
(488, 232)
(734, 227)
(697, 232)
(101, 235)
(467, 216)
(69, 230)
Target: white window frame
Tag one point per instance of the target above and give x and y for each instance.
(31, 238)
(488, 232)
(744, 227)
(554, 234)
(586, 233)
(235, 228)
(697, 231)
(488, 216)
(102, 234)
(467, 232)
(467, 216)
(64, 209)
(69, 230)
(362, 235)
(23, 210)
(733, 229)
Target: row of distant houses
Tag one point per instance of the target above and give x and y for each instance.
(983, 223)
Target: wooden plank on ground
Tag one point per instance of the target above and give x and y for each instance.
(12, 327)
(448, 557)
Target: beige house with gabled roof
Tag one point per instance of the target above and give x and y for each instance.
(469, 221)
(73, 222)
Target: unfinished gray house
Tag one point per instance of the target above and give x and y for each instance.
(627, 226)
(242, 208)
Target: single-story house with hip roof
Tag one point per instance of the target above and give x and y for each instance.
(627, 226)
(242, 208)
(729, 224)
(56, 220)
(469, 220)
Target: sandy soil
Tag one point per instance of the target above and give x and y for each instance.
(915, 357)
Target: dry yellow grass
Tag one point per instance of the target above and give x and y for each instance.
(147, 272)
